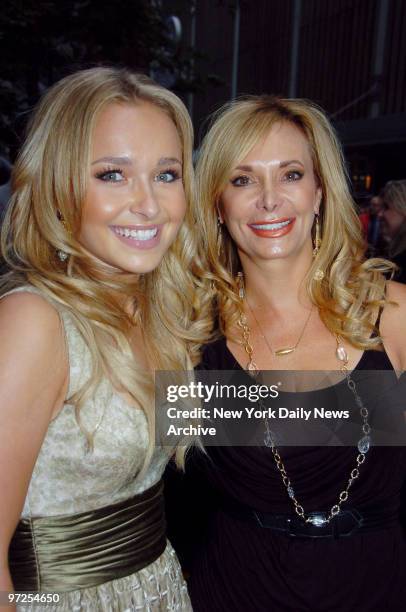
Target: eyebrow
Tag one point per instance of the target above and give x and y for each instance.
(126, 161)
(113, 160)
(289, 162)
(282, 164)
(169, 160)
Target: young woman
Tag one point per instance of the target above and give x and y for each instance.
(98, 295)
(295, 528)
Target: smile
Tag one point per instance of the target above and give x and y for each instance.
(138, 237)
(273, 229)
(272, 226)
(135, 234)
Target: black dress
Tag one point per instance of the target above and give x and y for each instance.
(240, 566)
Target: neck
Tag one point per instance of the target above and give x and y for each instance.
(278, 284)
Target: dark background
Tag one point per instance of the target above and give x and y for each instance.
(349, 56)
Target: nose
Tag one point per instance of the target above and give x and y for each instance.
(270, 199)
(143, 200)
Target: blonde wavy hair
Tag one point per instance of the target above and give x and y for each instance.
(50, 175)
(353, 288)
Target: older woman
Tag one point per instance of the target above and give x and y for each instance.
(295, 528)
(98, 294)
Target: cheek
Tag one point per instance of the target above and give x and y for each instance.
(97, 207)
(390, 218)
(234, 208)
(306, 200)
(399, 220)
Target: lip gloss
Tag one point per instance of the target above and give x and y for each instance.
(273, 233)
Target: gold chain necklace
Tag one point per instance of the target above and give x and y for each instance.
(285, 350)
(317, 519)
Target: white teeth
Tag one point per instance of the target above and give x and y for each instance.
(272, 226)
(136, 234)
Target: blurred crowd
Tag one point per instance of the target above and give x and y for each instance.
(384, 223)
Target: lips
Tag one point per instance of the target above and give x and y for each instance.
(138, 236)
(273, 229)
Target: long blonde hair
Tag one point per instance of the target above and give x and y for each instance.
(50, 175)
(349, 296)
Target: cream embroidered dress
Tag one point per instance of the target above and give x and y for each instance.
(69, 480)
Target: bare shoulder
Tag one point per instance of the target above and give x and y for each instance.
(31, 334)
(393, 324)
(33, 359)
(25, 312)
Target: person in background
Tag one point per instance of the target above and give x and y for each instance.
(393, 220)
(364, 217)
(374, 227)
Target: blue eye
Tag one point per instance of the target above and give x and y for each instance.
(111, 176)
(168, 176)
(293, 175)
(241, 181)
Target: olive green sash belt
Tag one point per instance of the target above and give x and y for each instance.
(65, 553)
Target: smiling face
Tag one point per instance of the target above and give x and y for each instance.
(135, 200)
(272, 196)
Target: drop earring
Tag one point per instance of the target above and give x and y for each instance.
(317, 237)
(319, 274)
(240, 285)
(219, 237)
(62, 255)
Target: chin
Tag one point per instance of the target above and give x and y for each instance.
(275, 253)
(140, 269)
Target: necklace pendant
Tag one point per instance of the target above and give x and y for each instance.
(364, 445)
(268, 439)
(318, 519)
(252, 367)
(285, 351)
(342, 354)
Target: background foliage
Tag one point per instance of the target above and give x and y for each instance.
(42, 40)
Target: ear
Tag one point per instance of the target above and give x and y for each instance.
(319, 195)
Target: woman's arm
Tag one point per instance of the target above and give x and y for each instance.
(33, 381)
(393, 325)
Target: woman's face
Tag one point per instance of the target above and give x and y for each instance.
(392, 219)
(135, 201)
(272, 196)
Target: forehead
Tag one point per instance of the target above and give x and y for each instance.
(283, 141)
(138, 125)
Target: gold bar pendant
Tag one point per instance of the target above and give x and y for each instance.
(284, 351)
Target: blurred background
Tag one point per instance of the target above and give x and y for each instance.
(349, 56)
